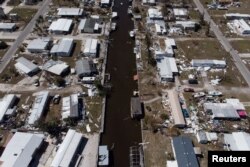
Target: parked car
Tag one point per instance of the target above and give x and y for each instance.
(188, 90)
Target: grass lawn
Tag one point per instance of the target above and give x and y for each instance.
(25, 14)
(242, 46)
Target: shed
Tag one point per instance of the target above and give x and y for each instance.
(136, 107)
(25, 66)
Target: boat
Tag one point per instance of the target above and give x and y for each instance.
(103, 155)
(214, 93)
(113, 26)
(132, 34)
(199, 94)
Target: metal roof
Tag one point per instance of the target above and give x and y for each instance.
(67, 149)
(221, 110)
(184, 152)
(176, 108)
(88, 23)
(69, 11)
(5, 104)
(180, 11)
(90, 46)
(64, 46)
(167, 66)
(136, 108)
(61, 25)
(70, 106)
(7, 25)
(208, 62)
(39, 43)
(26, 66)
(20, 150)
(103, 155)
(55, 67)
(154, 13)
(238, 141)
(38, 106)
(84, 66)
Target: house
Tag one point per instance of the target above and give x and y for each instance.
(61, 26)
(201, 137)
(85, 68)
(63, 48)
(180, 13)
(105, 3)
(136, 107)
(166, 48)
(240, 27)
(25, 66)
(70, 106)
(208, 63)
(91, 47)
(149, 2)
(69, 150)
(184, 152)
(21, 150)
(167, 69)
(187, 25)
(176, 110)
(56, 67)
(8, 27)
(221, 111)
(237, 141)
(6, 103)
(69, 12)
(38, 107)
(237, 16)
(155, 14)
(89, 25)
(160, 28)
(39, 45)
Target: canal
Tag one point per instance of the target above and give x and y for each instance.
(120, 131)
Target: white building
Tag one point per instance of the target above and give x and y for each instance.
(69, 150)
(38, 106)
(233, 16)
(70, 106)
(61, 26)
(105, 3)
(240, 27)
(180, 13)
(237, 141)
(6, 103)
(148, 2)
(39, 45)
(160, 29)
(208, 63)
(85, 68)
(56, 67)
(155, 14)
(63, 47)
(7, 27)
(166, 50)
(70, 12)
(167, 69)
(21, 149)
(186, 25)
(90, 48)
(25, 66)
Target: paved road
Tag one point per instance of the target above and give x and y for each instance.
(27, 30)
(225, 43)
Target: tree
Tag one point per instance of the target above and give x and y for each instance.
(208, 30)
(3, 45)
(202, 21)
(52, 127)
(59, 81)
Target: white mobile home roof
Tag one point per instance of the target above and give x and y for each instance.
(39, 43)
(237, 16)
(241, 26)
(25, 65)
(239, 141)
(38, 107)
(186, 24)
(61, 25)
(180, 11)
(70, 106)
(20, 149)
(7, 25)
(65, 46)
(90, 46)
(221, 110)
(67, 149)
(170, 42)
(176, 108)
(167, 66)
(55, 67)
(5, 103)
(154, 13)
(69, 12)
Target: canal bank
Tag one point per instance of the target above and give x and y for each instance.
(120, 132)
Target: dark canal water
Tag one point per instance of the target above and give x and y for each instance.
(120, 131)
